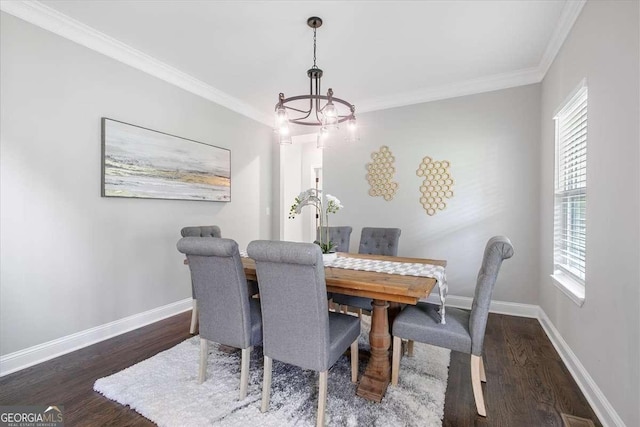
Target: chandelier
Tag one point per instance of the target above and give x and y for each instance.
(314, 109)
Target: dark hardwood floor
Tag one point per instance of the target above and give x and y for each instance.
(527, 383)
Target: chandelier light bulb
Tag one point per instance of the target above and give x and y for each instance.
(330, 110)
(352, 135)
(281, 116)
(284, 128)
(351, 124)
(330, 116)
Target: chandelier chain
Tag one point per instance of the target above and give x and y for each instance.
(314, 48)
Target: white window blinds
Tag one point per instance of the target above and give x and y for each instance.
(570, 225)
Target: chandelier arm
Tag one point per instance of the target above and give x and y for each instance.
(318, 98)
(310, 79)
(314, 123)
(307, 112)
(318, 92)
(306, 115)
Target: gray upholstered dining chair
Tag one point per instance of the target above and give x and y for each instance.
(198, 231)
(307, 334)
(379, 241)
(464, 331)
(207, 231)
(340, 236)
(228, 315)
(373, 241)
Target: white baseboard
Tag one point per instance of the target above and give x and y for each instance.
(598, 401)
(21, 359)
(500, 307)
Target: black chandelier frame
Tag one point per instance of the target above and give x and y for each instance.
(314, 97)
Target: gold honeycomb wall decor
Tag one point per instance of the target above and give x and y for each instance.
(437, 186)
(380, 173)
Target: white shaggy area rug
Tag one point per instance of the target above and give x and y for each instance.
(165, 390)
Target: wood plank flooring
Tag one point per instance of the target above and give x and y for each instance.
(527, 383)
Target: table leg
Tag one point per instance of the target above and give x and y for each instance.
(375, 380)
(393, 311)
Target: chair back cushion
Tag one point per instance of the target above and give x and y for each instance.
(293, 295)
(498, 249)
(340, 236)
(201, 231)
(379, 241)
(220, 287)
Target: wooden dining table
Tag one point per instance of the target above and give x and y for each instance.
(388, 291)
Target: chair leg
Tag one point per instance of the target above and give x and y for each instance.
(483, 375)
(204, 352)
(477, 385)
(354, 361)
(359, 313)
(344, 309)
(395, 363)
(410, 348)
(322, 398)
(266, 384)
(244, 372)
(194, 317)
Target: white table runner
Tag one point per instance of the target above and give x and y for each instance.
(402, 268)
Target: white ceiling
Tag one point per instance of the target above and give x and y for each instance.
(375, 54)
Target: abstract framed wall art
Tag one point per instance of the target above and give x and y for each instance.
(144, 163)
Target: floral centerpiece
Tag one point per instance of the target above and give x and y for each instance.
(314, 197)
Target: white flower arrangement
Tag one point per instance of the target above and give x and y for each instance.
(314, 197)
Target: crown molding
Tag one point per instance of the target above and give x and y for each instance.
(50, 19)
(453, 90)
(568, 16)
(570, 12)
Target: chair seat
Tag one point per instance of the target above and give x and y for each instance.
(351, 301)
(343, 330)
(422, 323)
(256, 321)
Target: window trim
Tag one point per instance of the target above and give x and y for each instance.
(574, 290)
(571, 286)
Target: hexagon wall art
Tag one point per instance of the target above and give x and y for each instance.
(380, 173)
(437, 185)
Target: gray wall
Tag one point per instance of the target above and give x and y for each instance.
(72, 260)
(492, 142)
(603, 47)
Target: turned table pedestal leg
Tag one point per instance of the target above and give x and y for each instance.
(375, 380)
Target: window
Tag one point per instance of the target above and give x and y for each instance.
(570, 223)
